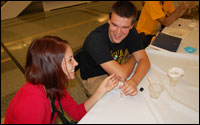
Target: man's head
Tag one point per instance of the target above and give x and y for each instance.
(121, 20)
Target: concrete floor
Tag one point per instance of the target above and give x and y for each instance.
(70, 23)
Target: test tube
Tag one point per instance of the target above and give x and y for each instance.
(121, 94)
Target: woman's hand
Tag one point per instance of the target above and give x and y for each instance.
(109, 83)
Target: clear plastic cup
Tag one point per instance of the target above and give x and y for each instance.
(174, 74)
(155, 89)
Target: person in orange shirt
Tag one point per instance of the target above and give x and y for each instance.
(157, 13)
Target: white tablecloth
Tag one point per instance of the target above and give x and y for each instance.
(179, 104)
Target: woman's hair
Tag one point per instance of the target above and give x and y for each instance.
(124, 9)
(43, 64)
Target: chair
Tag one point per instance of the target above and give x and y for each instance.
(77, 55)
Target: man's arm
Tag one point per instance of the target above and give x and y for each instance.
(129, 65)
(130, 86)
(142, 67)
(122, 70)
(179, 11)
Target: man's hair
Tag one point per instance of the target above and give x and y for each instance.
(124, 9)
(43, 64)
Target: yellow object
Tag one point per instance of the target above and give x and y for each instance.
(152, 11)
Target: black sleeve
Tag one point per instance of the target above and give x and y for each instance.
(134, 42)
(97, 47)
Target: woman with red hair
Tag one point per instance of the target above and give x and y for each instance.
(49, 64)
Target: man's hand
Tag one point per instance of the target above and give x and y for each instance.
(129, 88)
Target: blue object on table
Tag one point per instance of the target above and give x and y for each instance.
(189, 49)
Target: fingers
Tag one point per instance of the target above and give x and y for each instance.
(130, 91)
(134, 93)
(129, 88)
(113, 78)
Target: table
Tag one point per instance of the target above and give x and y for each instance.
(179, 104)
(186, 29)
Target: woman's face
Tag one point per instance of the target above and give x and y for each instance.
(69, 63)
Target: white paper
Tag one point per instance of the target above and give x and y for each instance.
(176, 32)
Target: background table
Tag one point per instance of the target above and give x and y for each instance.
(190, 35)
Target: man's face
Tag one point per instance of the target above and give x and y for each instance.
(119, 28)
